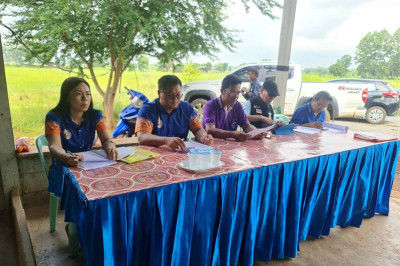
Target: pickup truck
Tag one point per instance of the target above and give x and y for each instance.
(356, 98)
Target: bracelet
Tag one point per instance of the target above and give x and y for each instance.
(109, 140)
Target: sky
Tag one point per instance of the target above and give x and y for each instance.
(324, 31)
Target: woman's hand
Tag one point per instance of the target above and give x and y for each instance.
(111, 150)
(73, 160)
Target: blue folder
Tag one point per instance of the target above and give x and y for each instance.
(285, 130)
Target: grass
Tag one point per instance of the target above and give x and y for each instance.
(33, 91)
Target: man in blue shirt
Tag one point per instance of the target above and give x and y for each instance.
(255, 85)
(167, 120)
(312, 114)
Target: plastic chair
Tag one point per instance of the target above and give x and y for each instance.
(73, 245)
(283, 118)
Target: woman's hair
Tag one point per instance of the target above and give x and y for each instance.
(63, 105)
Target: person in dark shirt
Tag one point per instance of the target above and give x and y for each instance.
(259, 111)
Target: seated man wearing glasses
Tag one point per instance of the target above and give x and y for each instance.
(167, 120)
(312, 114)
(222, 115)
(259, 110)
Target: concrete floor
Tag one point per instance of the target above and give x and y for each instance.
(377, 242)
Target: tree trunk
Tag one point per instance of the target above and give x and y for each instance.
(109, 97)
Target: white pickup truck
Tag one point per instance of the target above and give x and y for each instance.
(355, 98)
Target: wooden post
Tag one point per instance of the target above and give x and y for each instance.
(285, 46)
(8, 161)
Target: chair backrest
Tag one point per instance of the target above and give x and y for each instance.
(284, 118)
(40, 142)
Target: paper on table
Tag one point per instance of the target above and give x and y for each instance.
(122, 152)
(190, 144)
(257, 131)
(334, 127)
(98, 158)
(93, 160)
(307, 130)
(374, 137)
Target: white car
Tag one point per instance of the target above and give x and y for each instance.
(199, 92)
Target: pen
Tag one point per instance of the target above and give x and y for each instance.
(76, 160)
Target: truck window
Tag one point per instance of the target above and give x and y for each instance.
(270, 72)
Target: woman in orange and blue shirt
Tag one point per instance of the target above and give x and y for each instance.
(70, 127)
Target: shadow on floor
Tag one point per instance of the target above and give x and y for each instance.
(8, 244)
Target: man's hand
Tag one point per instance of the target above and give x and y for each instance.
(316, 125)
(207, 139)
(261, 135)
(175, 143)
(244, 89)
(280, 123)
(240, 136)
(266, 120)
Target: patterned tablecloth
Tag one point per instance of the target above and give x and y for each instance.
(237, 156)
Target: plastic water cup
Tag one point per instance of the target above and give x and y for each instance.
(194, 160)
(204, 159)
(215, 158)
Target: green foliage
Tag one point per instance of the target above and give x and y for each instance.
(373, 54)
(341, 66)
(75, 34)
(143, 62)
(221, 67)
(318, 70)
(190, 72)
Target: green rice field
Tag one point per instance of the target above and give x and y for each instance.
(33, 91)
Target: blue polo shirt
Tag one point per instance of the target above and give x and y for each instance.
(75, 138)
(304, 114)
(153, 119)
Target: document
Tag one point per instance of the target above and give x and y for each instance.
(374, 137)
(334, 127)
(257, 131)
(98, 158)
(191, 144)
(307, 130)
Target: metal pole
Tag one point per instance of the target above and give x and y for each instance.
(285, 45)
(8, 161)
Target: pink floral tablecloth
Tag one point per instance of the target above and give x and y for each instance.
(237, 156)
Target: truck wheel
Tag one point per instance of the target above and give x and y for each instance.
(376, 115)
(198, 105)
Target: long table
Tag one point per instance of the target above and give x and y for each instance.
(270, 195)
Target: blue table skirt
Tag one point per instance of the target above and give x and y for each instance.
(235, 218)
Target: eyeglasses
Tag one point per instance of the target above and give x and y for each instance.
(174, 96)
(233, 94)
(320, 106)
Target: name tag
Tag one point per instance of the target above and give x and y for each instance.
(258, 111)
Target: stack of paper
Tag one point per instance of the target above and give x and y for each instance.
(307, 130)
(257, 131)
(374, 137)
(334, 127)
(98, 158)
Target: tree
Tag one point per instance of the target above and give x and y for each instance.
(221, 67)
(394, 62)
(143, 62)
(373, 54)
(190, 72)
(341, 67)
(85, 32)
